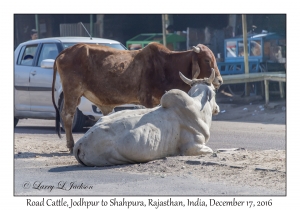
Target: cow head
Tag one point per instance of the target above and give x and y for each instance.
(204, 90)
(203, 61)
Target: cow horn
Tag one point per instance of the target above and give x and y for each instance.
(196, 49)
(212, 76)
(185, 80)
(195, 68)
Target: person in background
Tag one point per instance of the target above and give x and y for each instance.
(170, 29)
(34, 34)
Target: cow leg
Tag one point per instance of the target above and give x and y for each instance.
(155, 101)
(194, 144)
(145, 99)
(196, 149)
(67, 115)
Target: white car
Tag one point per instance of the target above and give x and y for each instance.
(33, 76)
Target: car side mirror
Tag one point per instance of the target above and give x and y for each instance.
(47, 63)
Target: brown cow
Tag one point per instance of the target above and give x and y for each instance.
(109, 77)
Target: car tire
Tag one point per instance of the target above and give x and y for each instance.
(16, 120)
(78, 120)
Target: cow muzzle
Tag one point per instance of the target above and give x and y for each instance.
(79, 154)
(216, 110)
(217, 82)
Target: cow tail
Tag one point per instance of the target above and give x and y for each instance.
(57, 118)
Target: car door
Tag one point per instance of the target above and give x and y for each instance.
(40, 85)
(24, 59)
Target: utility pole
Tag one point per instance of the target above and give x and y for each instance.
(37, 25)
(245, 39)
(164, 30)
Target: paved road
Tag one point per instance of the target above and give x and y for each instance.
(251, 136)
(109, 183)
(224, 134)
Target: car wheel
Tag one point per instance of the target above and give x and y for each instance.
(16, 120)
(78, 120)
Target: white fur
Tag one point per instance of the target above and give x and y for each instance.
(180, 126)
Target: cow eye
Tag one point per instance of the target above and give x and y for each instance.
(207, 61)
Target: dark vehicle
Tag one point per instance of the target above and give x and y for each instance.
(266, 53)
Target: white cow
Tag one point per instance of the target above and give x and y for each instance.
(179, 126)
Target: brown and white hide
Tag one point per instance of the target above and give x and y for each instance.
(179, 126)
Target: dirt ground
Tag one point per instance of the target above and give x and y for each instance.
(266, 168)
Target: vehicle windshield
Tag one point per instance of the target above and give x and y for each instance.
(116, 46)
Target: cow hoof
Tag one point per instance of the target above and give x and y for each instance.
(71, 151)
(206, 150)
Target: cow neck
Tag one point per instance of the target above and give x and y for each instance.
(179, 62)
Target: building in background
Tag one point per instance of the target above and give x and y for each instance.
(122, 27)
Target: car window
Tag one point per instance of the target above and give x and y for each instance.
(116, 46)
(27, 55)
(48, 51)
(20, 55)
(66, 45)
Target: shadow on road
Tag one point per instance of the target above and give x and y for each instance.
(84, 168)
(33, 154)
(41, 130)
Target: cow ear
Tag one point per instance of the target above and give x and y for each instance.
(195, 67)
(209, 94)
